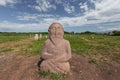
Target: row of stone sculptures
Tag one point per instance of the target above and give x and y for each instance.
(56, 51)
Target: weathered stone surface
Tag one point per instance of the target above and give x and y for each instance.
(56, 51)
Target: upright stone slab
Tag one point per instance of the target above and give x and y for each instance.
(40, 36)
(36, 37)
(46, 36)
(56, 51)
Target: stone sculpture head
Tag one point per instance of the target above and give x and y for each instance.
(56, 30)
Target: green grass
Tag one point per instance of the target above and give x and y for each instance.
(53, 76)
(34, 48)
(93, 61)
(4, 39)
(89, 44)
(98, 43)
(5, 50)
(84, 44)
(80, 46)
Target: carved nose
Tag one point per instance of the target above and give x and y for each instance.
(56, 31)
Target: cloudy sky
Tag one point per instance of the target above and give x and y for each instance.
(74, 15)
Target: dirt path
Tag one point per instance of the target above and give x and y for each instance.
(21, 67)
(15, 43)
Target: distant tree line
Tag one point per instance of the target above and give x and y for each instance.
(86, 32)
(21, 33)
(112, 33)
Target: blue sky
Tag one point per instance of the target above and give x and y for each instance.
(74, 15)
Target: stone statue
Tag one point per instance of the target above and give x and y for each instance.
(56, 51)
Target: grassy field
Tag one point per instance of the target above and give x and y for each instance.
(88, 50)
(99, 47)
(4, 39)
(94, 44)
(88, 44)
(84, 44)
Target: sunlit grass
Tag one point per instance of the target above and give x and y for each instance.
(5, 50)
(53, 76)
(84, 44)
(4, 39)
(34, 48)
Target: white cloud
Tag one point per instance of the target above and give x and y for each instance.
(67, 21)
(58, 1)
(26, 17)
(30, 27)
(107, 6)
(6, 2)
(68, 8)
(44, 5)
(113, 28)
(106, 11)
(35, 17)
(47, 5)
(42, 24)
(84, 6)
(109, 28)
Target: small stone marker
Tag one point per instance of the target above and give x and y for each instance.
(36, 37)
(56, 51)
(46, 36)
(40, 36)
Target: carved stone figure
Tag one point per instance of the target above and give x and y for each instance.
(56, 51)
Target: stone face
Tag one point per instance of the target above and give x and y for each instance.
(56, 51)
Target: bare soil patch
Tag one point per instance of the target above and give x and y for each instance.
(21, 67)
